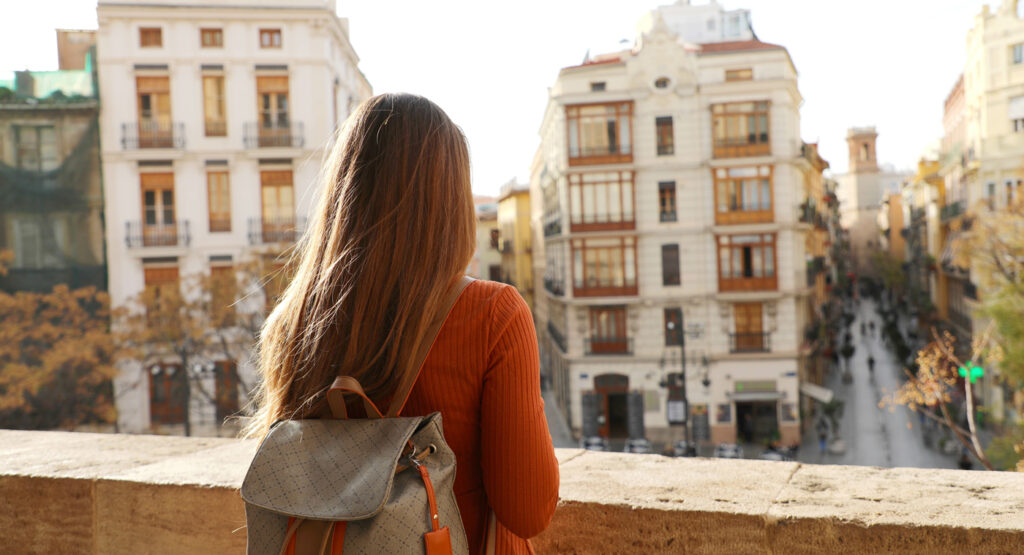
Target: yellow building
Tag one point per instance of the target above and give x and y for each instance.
(515, 242)
(486, 263)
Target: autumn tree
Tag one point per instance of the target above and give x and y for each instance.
(56, 358)
(187, 327)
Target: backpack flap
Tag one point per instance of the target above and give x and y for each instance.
(328, 469)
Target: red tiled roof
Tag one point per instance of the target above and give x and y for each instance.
(737, 46)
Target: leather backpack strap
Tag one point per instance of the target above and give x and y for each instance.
(401, 395)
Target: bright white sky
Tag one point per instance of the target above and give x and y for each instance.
(866, 62)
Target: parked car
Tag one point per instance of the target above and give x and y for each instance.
(684, 449)
(728, 451)
(637, 445)
(594, 443)
(772, 455)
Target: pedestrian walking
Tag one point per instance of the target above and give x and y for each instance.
(871, 363)
(822, 435)
(862, 329)
(871, 326)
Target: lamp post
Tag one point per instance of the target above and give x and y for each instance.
(678, 410)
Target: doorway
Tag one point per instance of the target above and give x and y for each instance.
(757, 421)
(613, 408)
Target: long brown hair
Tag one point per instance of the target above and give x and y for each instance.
(393, 229)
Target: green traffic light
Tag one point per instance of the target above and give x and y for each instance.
(975, 371)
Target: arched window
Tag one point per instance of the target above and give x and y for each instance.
(865, 152)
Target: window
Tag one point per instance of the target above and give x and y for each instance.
(495, 235)
(743, 195)
(1018, 125)
(150, 37)
(666, 141)
(748, 323)
(270, 38)
(277, 199)
(225, 389)
(667, 201)
(1018, 54)
(597, 86)
(991, 197)
(600, 133)
(604, 267)
(711, 25)
(608, 330)
(158, 223)
(37, 147)
(223, 293)
(661, 83)
(746, 262)
(274, 126)
(740, 129)
(601, 201)
(865, 152)
(166, 389)
(39, 241)
(211, 38)
(214, 112)
(674, 327)
(219, 198)
(1015, 111)
(154, 110)
(670, 264)
(739, 74)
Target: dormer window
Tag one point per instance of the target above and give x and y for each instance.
(661, 83)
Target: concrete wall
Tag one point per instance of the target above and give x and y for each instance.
(94, 493)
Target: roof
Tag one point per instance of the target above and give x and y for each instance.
(737, 46)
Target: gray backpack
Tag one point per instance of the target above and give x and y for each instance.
(382, 484)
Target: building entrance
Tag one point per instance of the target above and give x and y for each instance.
(613, 408)
(757, 421)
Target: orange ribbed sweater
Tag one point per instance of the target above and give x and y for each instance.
(482, 374)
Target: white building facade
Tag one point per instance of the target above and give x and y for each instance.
(214, 119)
(669, 235)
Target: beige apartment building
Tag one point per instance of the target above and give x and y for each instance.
(982, 165)
(677, 236)
(214, 119)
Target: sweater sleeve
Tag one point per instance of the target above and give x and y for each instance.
(520, 471)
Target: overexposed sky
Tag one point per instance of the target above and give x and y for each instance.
(888, 63)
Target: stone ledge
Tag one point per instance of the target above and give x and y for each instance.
(97, 493)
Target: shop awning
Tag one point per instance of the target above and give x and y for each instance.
(755, 396)
(817, 392)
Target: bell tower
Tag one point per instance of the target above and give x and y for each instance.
(861, 141)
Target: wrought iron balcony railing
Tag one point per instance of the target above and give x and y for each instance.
(757, 342)
(139, 234)
(152, 134)
(951, 211)
(557, 337)
(609, 346)
(270, 230)
(287, 135)
(554, 286)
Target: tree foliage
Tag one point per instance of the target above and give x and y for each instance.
(56, 359)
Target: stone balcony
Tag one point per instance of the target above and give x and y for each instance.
(96, 493)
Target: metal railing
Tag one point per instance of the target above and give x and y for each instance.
(757, 342)
(609, 346)
(216, 127)
(281, 230)
(557, 337)
(667, 216)
(609, 150)
(553, 227)
(554, 286)
(260, 135)
(152, 134)
(138, 234)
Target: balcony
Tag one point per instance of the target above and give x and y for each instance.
(753, 145)
(769, 283)
(274, 136)
(270, 231)
(758, 342)
(105, 493)
(139, 235)
(553, 227)
(608, 346)
(627, 289)
(152, 134)
(602, 222)
(215, 127)
(554, 286)
(611, 154)
(951, 211)
(557, 337)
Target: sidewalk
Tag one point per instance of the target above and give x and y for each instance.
(559, 430)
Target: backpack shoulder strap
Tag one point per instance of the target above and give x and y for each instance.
(401, 395)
